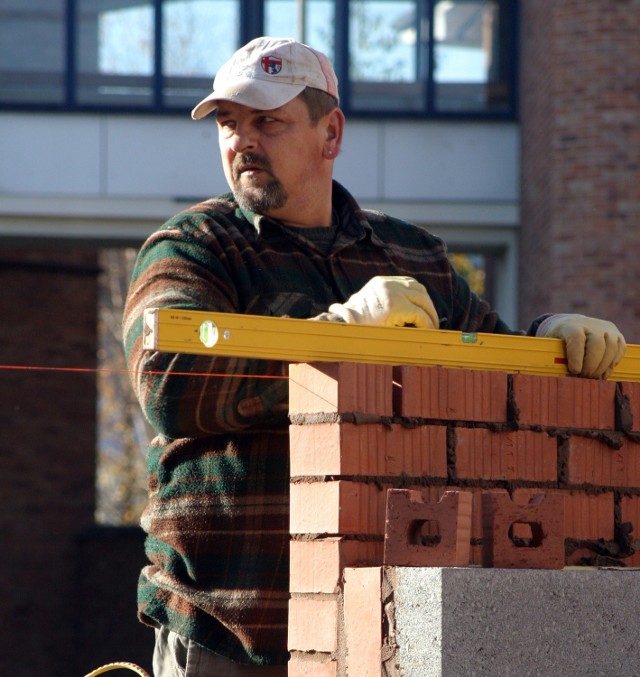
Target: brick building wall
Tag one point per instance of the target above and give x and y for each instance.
(580, 193)
(67, 586)
(47, 452)
(359, 430)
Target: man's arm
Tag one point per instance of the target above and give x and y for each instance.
(187, 395)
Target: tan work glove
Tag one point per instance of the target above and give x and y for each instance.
(593, 346)
(389, 301)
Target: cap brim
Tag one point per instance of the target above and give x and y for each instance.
(252, 93)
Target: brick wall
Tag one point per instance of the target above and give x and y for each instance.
(47, 452)
(580, 160)
(358, 430)
(68, 587)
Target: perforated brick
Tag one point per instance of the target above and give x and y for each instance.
(544, 515)
(564, 402)
(313, 623)
(447, 540)
(451, 394)
(371, 449)
(592, 462)
(363, 621)
(511, 455)
(339, 388)
(316, 565)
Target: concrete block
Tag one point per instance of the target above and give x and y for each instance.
(451, 622)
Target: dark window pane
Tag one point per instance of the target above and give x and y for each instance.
(32, 51)
(115, 43)
(470, 43)
(282, 18)
(386, 60)
(198, 37)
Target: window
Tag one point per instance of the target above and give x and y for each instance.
(392, 57)
(29, 75)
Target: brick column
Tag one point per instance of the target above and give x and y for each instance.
(580, 114)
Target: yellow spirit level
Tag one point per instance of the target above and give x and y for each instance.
(277, 338)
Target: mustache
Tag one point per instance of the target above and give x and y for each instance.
(253, 159)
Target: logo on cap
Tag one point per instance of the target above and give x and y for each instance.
(271, 65)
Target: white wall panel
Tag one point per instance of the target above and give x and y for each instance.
(162, 158)
(451, 161)
(358, 165)
(49, 154)
(143, 156)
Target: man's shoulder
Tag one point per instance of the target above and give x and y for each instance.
(221, 210)
(386, 225)
(222, 205)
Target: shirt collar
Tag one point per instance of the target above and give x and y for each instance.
(354, 223)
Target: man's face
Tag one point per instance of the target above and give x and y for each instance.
(271, 158)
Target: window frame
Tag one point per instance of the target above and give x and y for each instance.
(252, 15)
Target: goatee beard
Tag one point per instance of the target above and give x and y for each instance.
(258, 199)
(263, 199)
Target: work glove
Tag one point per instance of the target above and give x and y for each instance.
(593, 346)
(389, 301)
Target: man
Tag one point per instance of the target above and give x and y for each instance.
(287, 241)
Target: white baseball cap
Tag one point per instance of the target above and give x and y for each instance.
(267, 73)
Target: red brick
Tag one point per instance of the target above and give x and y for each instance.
(311, 666)
(313, 623)
(475, 556)
(337, 508)
(586, 516)
(317, 565)
(630, 512)
(363, 621)
(545, 515)
(343, 508)
(523, 455)
(340, 388)
(592, 462)
(407, 512)
(451, 394)
(632, 392)
(566, 402)
(372, 449)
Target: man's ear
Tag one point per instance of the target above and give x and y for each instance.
(334, 128)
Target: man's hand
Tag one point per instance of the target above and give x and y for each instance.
(389, 301)
(593, 346)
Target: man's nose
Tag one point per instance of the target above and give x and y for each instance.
(243, 139)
